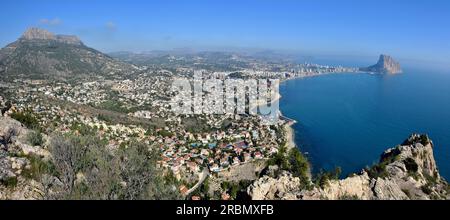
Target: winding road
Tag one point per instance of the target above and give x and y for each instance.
(202, 177)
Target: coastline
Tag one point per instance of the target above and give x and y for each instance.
(290, 135)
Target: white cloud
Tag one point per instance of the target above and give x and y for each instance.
(51, 22)
(111, 26)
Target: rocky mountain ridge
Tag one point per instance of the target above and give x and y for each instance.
(41, 54)
(405, 172)
(40, 34)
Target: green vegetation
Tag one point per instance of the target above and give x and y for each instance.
(83, 130)
(293, 161)
(348, 197)
(88, 171)
(113, 105)
(324, 177)
(412, 167)
(27, 118)
(9, 182)
(235, 189)
(299, 165)
(165, 133)
(424, 140)
(39, 167)
(280, 159)
(203, 190)
(35, 138)
(379, 170)
(427, 189)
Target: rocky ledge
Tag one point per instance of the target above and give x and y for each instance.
(405, 172)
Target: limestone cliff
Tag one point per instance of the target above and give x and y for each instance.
(405, 172)
(41, 34)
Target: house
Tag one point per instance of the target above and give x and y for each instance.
(193, 166)
(212, 145)
(226, 196)
(241, 144)
(183, 189)
(247, 157)
(273, 150)
(236, 161)
(204, 152)
(214, 168)
(238, 150)
(224, 161)
(196, 198)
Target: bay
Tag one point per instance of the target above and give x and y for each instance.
(348, 120)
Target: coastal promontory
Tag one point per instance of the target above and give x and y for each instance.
(385, 65)
(408, 171)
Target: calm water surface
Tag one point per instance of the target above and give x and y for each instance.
(348, 120)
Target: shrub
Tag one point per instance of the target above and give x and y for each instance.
(299, 165)
(411, 165)
(348, 197)
(105, 174)
(35, 138)
(39, 167)
(424, 140)
(9, 182)
(165, 133)
(426, 189)
(280, 159)
(324, 177)
(27, 118)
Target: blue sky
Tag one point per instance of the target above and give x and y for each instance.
(416, 29)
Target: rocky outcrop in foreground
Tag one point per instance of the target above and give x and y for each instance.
(17, 163)
(385, 65)
(405, 172)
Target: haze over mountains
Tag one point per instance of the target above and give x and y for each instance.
(40, 54)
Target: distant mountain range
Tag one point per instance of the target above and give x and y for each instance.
(40, 54)
(385, 65)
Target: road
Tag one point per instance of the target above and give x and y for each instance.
(202, 177)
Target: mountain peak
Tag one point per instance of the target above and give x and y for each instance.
(37, 34)
(40, 53)
(42, 34)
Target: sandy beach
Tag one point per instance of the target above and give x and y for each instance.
(290, 135)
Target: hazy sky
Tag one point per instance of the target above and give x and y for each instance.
(418, 29)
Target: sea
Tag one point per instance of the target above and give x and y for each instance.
(348, 120)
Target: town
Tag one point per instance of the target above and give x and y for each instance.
(193, 147)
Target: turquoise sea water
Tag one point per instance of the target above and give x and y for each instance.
(348, 120)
